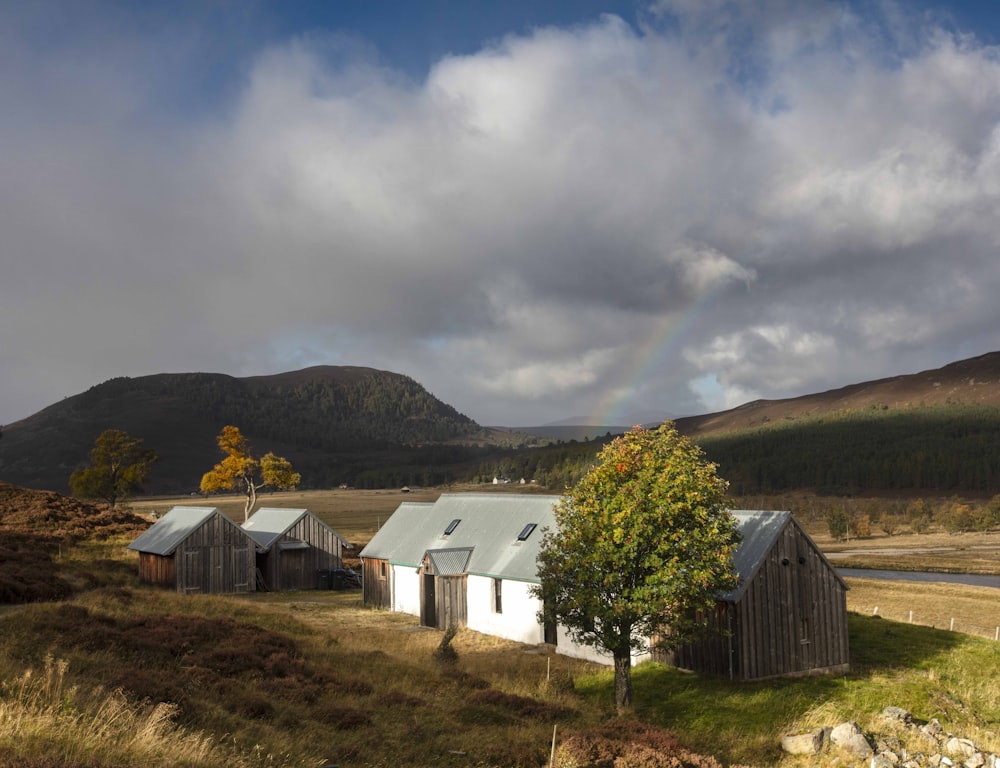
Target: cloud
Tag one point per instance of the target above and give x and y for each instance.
(730, 200)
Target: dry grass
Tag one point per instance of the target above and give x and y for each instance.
(294, 679)
(970, 610)
(41, 714)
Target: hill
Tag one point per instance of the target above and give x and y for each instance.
(931, 433)
(34, 525)
(334, 423)
(936, 431)
(975, 381)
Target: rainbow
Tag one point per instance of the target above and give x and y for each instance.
(664, 340)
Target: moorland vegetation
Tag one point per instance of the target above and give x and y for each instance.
(110, 673)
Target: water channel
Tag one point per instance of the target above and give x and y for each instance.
(971, 579)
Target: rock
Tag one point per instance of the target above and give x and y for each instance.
(809, 743)
(963, 747)
(977, 760)
(933, 728)
(884, 760)
(896, 714)
(849, 738)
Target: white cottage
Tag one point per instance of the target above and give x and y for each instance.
(471, 559)
(468, 560)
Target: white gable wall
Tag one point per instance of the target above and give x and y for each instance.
(405, 588)
(519, 618)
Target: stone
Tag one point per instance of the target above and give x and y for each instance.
(977, 760)
(962, 747)
(933, 728)
(884, 760)
(848, 737)
(808, 743)
(896, 714)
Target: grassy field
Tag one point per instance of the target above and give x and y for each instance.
(305, 678)
(128, 675)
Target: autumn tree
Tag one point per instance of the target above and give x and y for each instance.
(119, 465)
(643, 542)
(241, 470)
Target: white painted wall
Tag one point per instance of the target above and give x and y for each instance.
(405, 589)
(518, 621)
(566, 646)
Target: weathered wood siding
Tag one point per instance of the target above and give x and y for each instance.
(791, 619)
(157, 569)
(286, 569)
(216, 558)
(448, 597)
(375, 579)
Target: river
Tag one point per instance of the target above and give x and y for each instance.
(971, 579)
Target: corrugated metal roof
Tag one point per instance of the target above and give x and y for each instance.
(760, 530)
(448, 562)
(268, 524)
(489, 526)
(164, 536)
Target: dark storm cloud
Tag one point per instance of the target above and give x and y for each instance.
(595, 220)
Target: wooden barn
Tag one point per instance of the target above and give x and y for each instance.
(293, 546)
(787, 617)
(196, 549)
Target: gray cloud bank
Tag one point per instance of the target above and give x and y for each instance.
(671, 216)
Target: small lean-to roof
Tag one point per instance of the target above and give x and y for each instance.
(268, 524)
(760, 530)
(166, 534)
(488, 530)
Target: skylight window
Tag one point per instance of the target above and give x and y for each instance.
(526, 531)
(452, 526)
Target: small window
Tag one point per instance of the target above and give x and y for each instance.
(804, 631)
(383, 567)
(452, 526)
(526, 531)
(497, 595)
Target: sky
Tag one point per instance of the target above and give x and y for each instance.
(597, 211)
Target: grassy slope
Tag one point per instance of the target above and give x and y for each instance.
(295, 679)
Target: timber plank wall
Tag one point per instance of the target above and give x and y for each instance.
(215, 558)
(791, 619)
(286, 569)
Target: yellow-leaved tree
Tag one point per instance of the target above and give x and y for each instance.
(241, 470)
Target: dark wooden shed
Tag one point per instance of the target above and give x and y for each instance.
(787, 617)
(196, 549)
(293, 547)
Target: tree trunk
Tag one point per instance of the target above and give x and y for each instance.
(251, 494)
(623, 681)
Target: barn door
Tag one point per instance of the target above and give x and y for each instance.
(192, 570)
(452, 608)
(241, 569)
(428, 601)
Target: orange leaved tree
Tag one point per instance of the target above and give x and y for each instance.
(241, 470)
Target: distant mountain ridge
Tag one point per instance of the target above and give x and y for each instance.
(974, 381)
(322, 418)
(380, 429)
